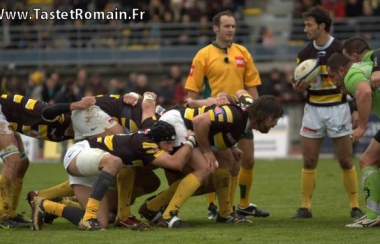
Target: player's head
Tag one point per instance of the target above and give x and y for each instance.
(317, 20)
(264, 113)
(164, 134)
(337, 66)
(354, 48)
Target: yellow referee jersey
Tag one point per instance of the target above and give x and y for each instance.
(217, 69)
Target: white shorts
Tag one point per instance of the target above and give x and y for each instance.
(91, 121)
(5, 126)
(174, 118)
(334, 121)
(87, 162)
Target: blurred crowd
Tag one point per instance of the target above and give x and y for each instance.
(348, 15)
(186, 22)
(51, 88)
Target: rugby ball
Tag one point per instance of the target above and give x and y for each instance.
(307, 70)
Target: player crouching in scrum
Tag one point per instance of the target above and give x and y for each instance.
(103, 157)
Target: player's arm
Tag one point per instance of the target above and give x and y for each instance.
(201, 126)
(363, 95)
(178, 160)
(375, 76)
(52, 112)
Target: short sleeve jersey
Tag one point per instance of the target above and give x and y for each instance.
(228, 123)
(126, 115)
(25, 117)
(135, 149)
(361, 72)
(211, 73)
(322, 91)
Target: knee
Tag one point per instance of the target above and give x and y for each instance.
(309, 162)
(114, 165)
(346, 163)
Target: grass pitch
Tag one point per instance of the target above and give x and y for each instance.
(276, 188)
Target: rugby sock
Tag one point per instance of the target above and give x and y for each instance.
(350, 182)
(61, 190)
(307, 186)
(222, 183)
(99, 189)
(54, 208)
(18, 187)
(70, 213)
(186, 189)
(124, 180)
(245, 179)
(210, 198)
(233, 188)
(73, 214)
(163, 199)
(7, 195)
(371, 185)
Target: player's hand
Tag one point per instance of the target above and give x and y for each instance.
(85, 102)
(222, 100)
(375, 80)
(211, 161)
(131, 98)
(357, 134)
(300, 86)
(237, 153)
(355, 119)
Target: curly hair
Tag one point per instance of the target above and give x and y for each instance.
(265, 106)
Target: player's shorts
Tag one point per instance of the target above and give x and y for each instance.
(333, 121)
(87, 162)
(174, 118)
(91, 121)
(5, 126)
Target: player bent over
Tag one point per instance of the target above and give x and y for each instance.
(103, 157)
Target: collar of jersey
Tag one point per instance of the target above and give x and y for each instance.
(216, 45)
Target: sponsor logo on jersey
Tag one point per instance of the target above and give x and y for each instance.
(191, 72)
(240, 62)
(218, 110)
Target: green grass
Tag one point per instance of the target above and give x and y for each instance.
(276, 188)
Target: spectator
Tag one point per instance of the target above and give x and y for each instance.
(274, 85)
(175, 73)
(82, 82)
(165, 92)
(354, 8)
(15, 86)
(186, 36)
(34, 86)
(192, 8)
(336, 7)
(96, 85)
(79, 38)
(180, 93)
(141, 85)
(131, 82)
(117, 86)
(50, 88)
(168, 33)
(205, 34)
